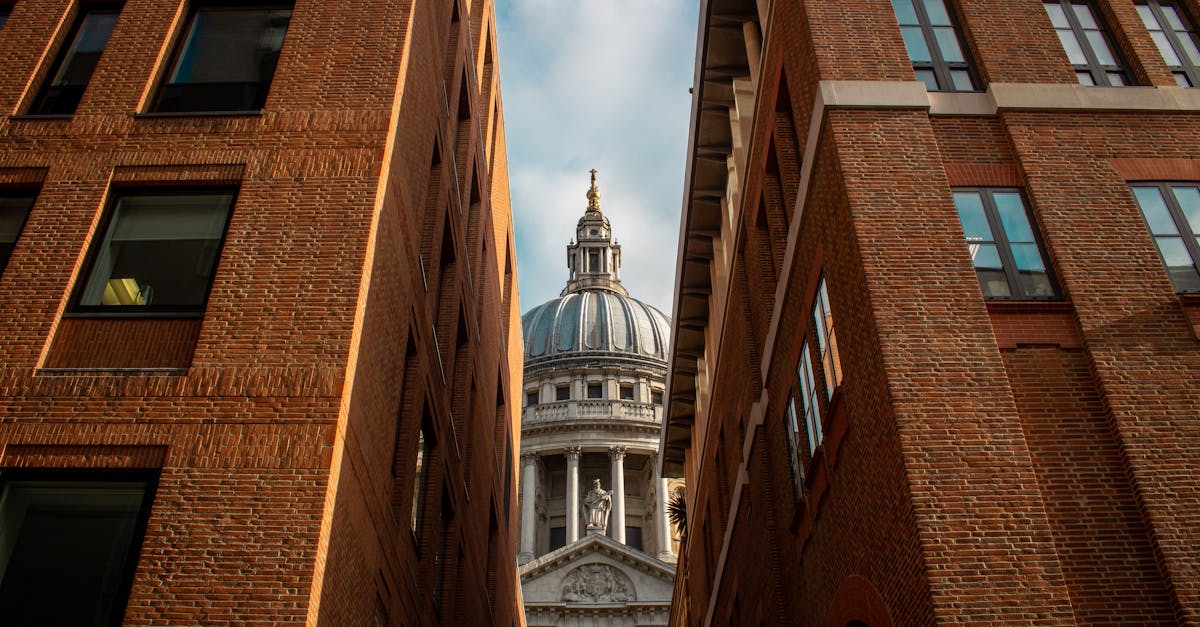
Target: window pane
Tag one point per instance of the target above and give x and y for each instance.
(1084, 14)
(159, 249)
(1155, 209)
(974, 221)
(1116, 79)
(1028, 258)
(1173, 20)
(13, 209)
(1189, 202)
(1071, 45)
(70, 78)
(1100, 48)
(1188, 41)
(948, 45)
(927, 77)
(1085, 78)
(1179, 264)
(914, 41)
(419, 480)
(1164, 47)
(936, 9)
(1182, 80)
(1013, 216)
(4, 15)
(905, 14)
(1057, 16)
(227, 60)
(992, 279)
(1148, 18)
(66, 548)
(962, 80)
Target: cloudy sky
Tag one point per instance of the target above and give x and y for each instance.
(596, 84)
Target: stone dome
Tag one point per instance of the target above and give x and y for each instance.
(594, 322)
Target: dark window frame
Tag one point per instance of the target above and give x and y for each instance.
(1093, 66)
(627, 393)
(5, 12)
(811, 381)
(100, 234)
(531, 398)
(1004, 247)
(942, 69)
(18, 192)
(796, 438)
(558, 393)
(1186, 233)
(422, 464)
(177, 51)
(596, 386)
(149, 476)
(60, 58)
(1189, 70)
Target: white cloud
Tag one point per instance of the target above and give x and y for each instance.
(602, 85)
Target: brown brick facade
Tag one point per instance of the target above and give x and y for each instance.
(982, 461)
(283, 422)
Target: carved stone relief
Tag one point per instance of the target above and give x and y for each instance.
(598, 583)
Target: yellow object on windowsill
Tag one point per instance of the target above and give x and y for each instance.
(123, 292)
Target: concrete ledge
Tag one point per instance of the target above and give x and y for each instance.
(873, 95)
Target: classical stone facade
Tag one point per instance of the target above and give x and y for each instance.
(595, 360)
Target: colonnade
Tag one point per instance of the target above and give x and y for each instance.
(529, 480)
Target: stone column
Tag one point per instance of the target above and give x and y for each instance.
(664, 523)
(573, 453)
(528, 496)
(617, 453)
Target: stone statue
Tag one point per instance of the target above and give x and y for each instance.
(597, 502)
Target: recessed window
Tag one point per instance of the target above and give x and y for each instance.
(562, 393)
(158, 251)
(934, 45)
(4, 12)
(14, 209)
(1175, 37)
(1087, 43)
(76, 61)
(69, 544)
(1004, 245)
(593, 261)
(226, 58)
(558, 537)
(795, 445)
(633, 538)
(656, 397)
(827, 340)
(627, 392)
(420, 470)
(531, 398)
(1172, 211)
(809, 390)
(595, 390)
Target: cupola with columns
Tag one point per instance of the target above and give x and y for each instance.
(593, 257)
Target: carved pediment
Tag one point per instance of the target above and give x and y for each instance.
(598, 583)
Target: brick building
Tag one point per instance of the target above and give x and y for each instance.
(259, 357)
(935, 331)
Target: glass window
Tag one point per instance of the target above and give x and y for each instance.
(226, 59)
(1175, 37)
(4, 12)
(158, 252)
(809, 399)
(627, 392)
(562, 393)
(656, 397)
(1004, 246)
(934, 45)
(1087, 43)
(558, 537)
(76, 61)
(826, 340)
(633, 538)
(531, 398)
(69, 543)
(1172, 211)
(595, 390)
(593, 261)
(424, 444)
(795, 444)
(14, 208)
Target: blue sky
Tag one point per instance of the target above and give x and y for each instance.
(597, 84)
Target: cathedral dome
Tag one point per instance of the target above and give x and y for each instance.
(595, 322)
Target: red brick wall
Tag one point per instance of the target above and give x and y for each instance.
(274, 504)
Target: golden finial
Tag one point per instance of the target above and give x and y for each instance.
(593, 194)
